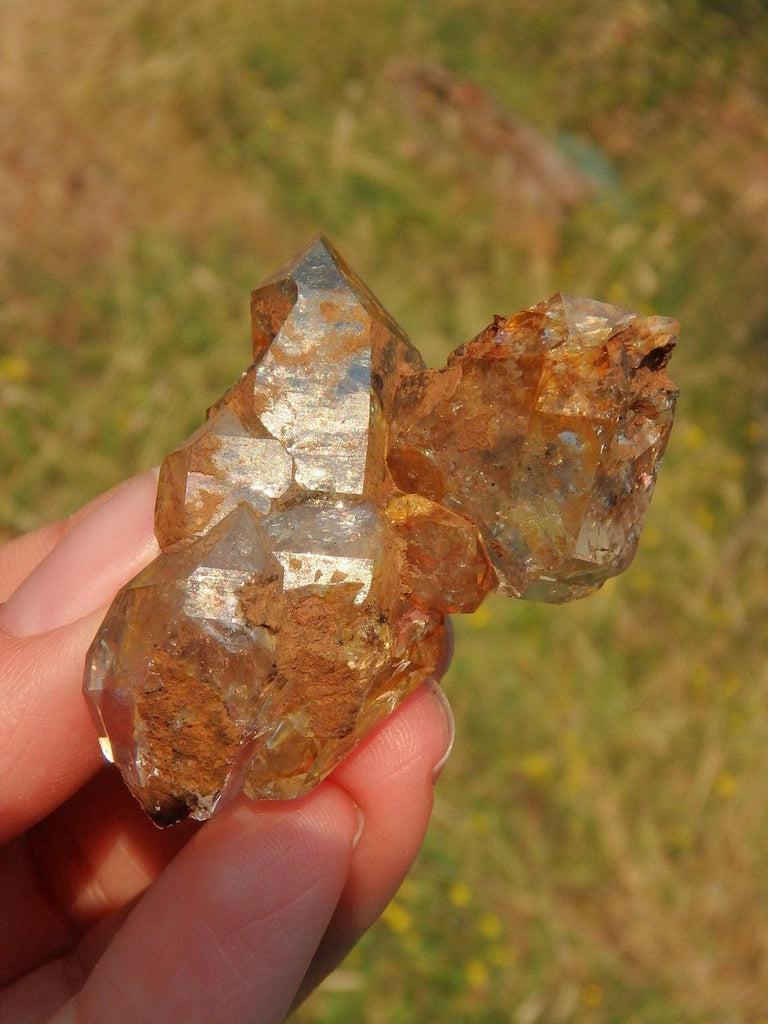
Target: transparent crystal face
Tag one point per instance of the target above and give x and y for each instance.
(559, 478)
(339, 501)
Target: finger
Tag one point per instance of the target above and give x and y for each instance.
(92, 856)
(390, 779)
(48, 747)
(230, 927)
(400, 760)
(99, 851)
(47, 743)
(21, 555)
(100, 553)
(38, 995)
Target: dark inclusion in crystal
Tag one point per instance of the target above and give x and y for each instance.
(339, 500)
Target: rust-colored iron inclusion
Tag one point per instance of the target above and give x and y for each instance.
(339, 501)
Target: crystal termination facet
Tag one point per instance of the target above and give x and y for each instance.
(339, 500)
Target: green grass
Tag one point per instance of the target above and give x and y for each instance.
(599, 850)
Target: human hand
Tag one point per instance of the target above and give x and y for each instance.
(105, 917)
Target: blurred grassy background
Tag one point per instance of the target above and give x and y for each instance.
(599, 851)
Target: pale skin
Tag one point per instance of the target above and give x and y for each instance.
(105, 917)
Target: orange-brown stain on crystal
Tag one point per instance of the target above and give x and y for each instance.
(340, 500)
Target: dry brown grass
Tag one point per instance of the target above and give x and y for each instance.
(599, 847)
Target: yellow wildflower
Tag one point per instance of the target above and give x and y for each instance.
(476, 974)
(460, 894)
(694, 437)
(15, 368)
(481, 822)
(592, 994)
(538, 765)
(704, 518)
(489, 926)
(726, 784)
(397, 917)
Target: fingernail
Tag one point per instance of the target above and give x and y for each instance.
(437, 692)
(360, 826)
(100, 554)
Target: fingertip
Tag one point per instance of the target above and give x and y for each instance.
(48, 745)
(229, 929)
(325, 818)
(411, 745)
(96, 557)
(390, 779)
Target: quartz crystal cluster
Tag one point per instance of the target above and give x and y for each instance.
(339, 501)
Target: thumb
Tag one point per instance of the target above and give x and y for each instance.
(230, 928)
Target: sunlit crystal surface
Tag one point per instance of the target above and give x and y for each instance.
(339, 501)
(546, 431)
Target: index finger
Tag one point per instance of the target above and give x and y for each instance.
(47, 743)
(20, 556)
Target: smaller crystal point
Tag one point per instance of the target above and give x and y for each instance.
(558, 472)
(339, 500)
